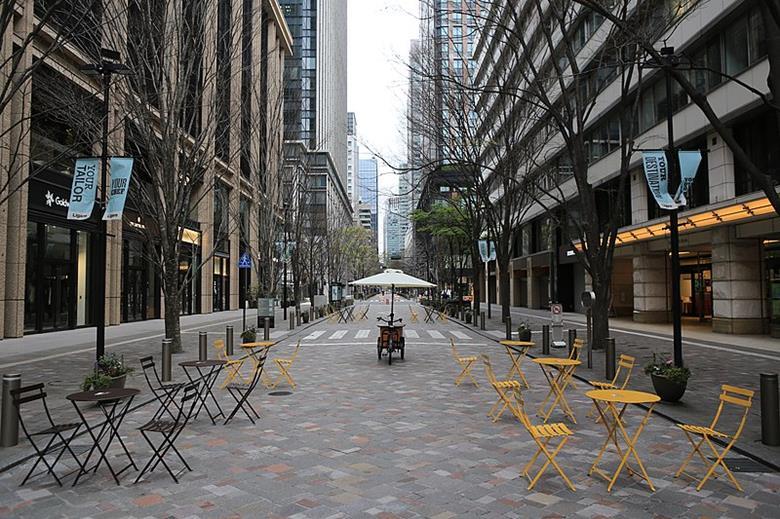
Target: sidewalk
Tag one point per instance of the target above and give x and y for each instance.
(714, 359)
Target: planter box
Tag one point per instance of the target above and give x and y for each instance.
(524, 334)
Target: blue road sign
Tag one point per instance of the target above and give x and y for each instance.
(245, 261)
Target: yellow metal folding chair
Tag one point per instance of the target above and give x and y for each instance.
(625, 368)
(742, 399)
(284, 364)
(543, 435)
(414, 317)
(443, 317)
(501, 387)
(466, 363)
(232, 367)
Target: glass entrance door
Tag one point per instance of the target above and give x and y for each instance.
(56, 296)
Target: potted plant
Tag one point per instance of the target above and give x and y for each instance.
(249, 335)
(524, 332)
(669, 381)
(110, 372)
(468, 316)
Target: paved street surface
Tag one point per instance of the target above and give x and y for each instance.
(359, 438)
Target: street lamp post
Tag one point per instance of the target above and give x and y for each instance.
(109, 65)
(671, 61)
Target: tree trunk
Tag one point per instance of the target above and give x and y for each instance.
(172, 306)
(600, 311)
(503, 286)
(476, 268)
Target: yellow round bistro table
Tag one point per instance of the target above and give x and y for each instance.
(607, 402)
(516, 351)
(558, 373)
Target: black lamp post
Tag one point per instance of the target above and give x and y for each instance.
(109, 65)
(670, 60)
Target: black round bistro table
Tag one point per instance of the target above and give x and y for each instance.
(114, 403)
(208, 372)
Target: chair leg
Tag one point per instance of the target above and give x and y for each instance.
(719, 461)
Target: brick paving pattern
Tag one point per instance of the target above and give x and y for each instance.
(359, 438)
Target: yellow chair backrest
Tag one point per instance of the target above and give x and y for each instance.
(626, 365)
(736, 396)
(295, 352)
(488, 368)
(576, 348)
(219, 345)
(455, 353)
(518, 409)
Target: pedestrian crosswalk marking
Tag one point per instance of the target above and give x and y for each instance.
(435, 334)
(411, 334)
(460, 335)
(338, 334)
(362, 334)
(314, 335)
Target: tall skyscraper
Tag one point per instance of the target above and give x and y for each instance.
(393, 234)
(316, 88)
(368, 190)
(353, 159)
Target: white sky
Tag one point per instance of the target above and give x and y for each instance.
(379, 36)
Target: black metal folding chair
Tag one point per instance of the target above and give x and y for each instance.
(241, 391)
(164, 393)
(170, 431)
(28, 394)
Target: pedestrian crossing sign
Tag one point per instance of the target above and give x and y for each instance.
(245, 261)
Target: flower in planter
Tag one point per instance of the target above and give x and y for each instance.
(107, 368)
(249, 335)
(667, 369)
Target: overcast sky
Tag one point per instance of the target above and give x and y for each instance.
(379, 36)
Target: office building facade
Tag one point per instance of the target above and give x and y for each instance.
(368, 191)
(49, 273)
(728, 231)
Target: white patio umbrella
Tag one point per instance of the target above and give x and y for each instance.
(392, 278)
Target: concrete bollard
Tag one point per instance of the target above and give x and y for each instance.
(508, 328)
(9, 422)
(229, 340)
(545, 339)
(266, 329)
(482, 320)
(770, 410)
(572, 337)
(203, 346)
(609, 365)
(167, 346)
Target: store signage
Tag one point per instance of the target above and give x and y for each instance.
(689, 166)
(121, 169)
(657, 173)
(83, 189)
(483, 250)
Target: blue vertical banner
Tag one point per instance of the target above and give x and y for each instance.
(83, 189)
(656, 168)
(689, 166)
(487, 250)
(121, 169)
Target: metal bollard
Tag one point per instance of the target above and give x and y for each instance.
(590, 338)
(770, 410)
(482, 320)
(572, 337)
(203, 346)
(297, 318)
(508, 328)
(311, 314)
(610, 360)
(9, 426)
(229, 340)
(545, 339)
(167, 345)
(291, 319)
(266, 329)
